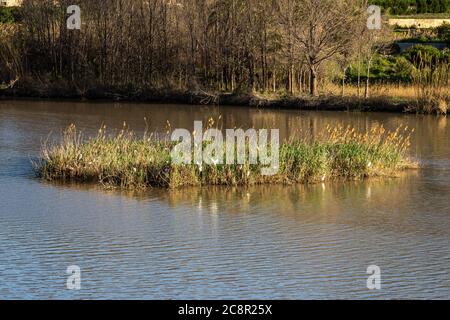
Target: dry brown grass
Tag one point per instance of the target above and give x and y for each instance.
(402, 91)
(429, 96)
(394, 91)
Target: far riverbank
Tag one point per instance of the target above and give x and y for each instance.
(323, 102)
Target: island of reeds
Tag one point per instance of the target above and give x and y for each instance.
(124, 160)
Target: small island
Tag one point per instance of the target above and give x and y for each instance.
(129, 162)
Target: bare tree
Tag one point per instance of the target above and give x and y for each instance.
(321, 29)
(373, 42)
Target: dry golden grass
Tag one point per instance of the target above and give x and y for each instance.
(408, 92)
(401, 91)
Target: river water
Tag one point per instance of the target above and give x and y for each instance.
(271, 242)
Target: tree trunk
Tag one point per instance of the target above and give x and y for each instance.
(233, 80)
(343, 82)
(366, 92)
(293, 79)
(313, 81)
(289, 80)
(359, 76)
(274, 81)
(300, 81)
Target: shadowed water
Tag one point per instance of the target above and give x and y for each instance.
(269, 242)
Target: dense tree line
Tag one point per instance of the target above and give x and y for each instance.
(401, 7)
(220, 45)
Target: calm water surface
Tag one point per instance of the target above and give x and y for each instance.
(272, 242)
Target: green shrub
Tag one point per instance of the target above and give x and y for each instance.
(9, 15)
(424, 56)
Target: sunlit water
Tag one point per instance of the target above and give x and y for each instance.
(271, 242)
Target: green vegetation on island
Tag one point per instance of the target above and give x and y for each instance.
(129, 162)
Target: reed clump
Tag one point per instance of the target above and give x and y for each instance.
(432, 88)
(129, 162)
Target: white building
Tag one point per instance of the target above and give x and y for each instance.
(418, 23)
(10, 3)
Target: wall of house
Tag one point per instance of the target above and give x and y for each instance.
(10, 3)
(418, 23)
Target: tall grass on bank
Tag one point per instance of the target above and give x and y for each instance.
(126, 161)
(385, 90)
(432, 85)
(429, 91)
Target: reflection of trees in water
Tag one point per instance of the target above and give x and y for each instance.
(431, 136)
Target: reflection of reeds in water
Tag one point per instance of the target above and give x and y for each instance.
(321, 196)
(442, 123)
(129, 162)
